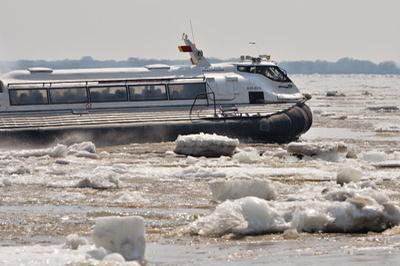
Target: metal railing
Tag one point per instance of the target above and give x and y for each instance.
(211, 92)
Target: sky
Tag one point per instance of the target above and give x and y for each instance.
(119, 29)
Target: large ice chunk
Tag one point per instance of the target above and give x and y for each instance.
(311, 220)
(102, 177)
(346, 209)
(239, 188)
(326, 151)
(205, 145)
(348, 174)
(249, 215)
(123, 235)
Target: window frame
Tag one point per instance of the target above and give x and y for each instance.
(66, 88)
(146, 100)
(28, 89)
(108, 101)
(255, 72)
(186, 83)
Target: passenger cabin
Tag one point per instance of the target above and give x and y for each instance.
(250, 81)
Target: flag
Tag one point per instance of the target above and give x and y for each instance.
(185, 48)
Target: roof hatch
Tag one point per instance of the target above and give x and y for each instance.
(35, 70)
(157, 66)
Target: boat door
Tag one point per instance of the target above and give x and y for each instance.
(225, 88)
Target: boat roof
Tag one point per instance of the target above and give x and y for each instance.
(92, 74)
(157, 71)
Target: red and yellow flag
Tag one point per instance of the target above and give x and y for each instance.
(185, 48)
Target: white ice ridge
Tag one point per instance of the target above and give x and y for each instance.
(239, 188)
(343, 210)
(333, 151)
(84, 149)
(102, 177)
(205, 145)
(123, 235)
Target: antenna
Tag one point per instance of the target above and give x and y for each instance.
(191, 29)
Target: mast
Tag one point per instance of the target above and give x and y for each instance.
(196, 56)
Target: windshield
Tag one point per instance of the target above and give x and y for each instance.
(272, 72)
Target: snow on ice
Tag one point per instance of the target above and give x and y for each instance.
(205, 145)
(239, 188)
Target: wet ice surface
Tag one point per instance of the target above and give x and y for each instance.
(51, 193)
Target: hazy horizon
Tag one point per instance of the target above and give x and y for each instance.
(289, 30)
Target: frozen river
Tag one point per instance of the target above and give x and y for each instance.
(51, 193)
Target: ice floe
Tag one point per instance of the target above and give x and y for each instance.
(133, 197)
(333, 151)
(247, 155)
(73, 241)
(385, 108)
(343, 210)
(388, 164)
(348, 174)
(66, 196)
(335, 94)
(99, 182)
(205, 145)
(388, 128)
(84, 149)
(102, 177)
(374, 156)
(199, 172)
(249, 215)
(123, 235)
(239, 188)
(5, 182)
(83, 146)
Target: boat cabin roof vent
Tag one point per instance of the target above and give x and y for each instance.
(35, 70)
(157, 66)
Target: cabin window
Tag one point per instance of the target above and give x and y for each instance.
(272, 72)
(108, 94)
(147, 92)
(68, 95)
(28, 97)
(187, 91)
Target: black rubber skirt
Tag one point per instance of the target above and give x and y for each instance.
(280, 127)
